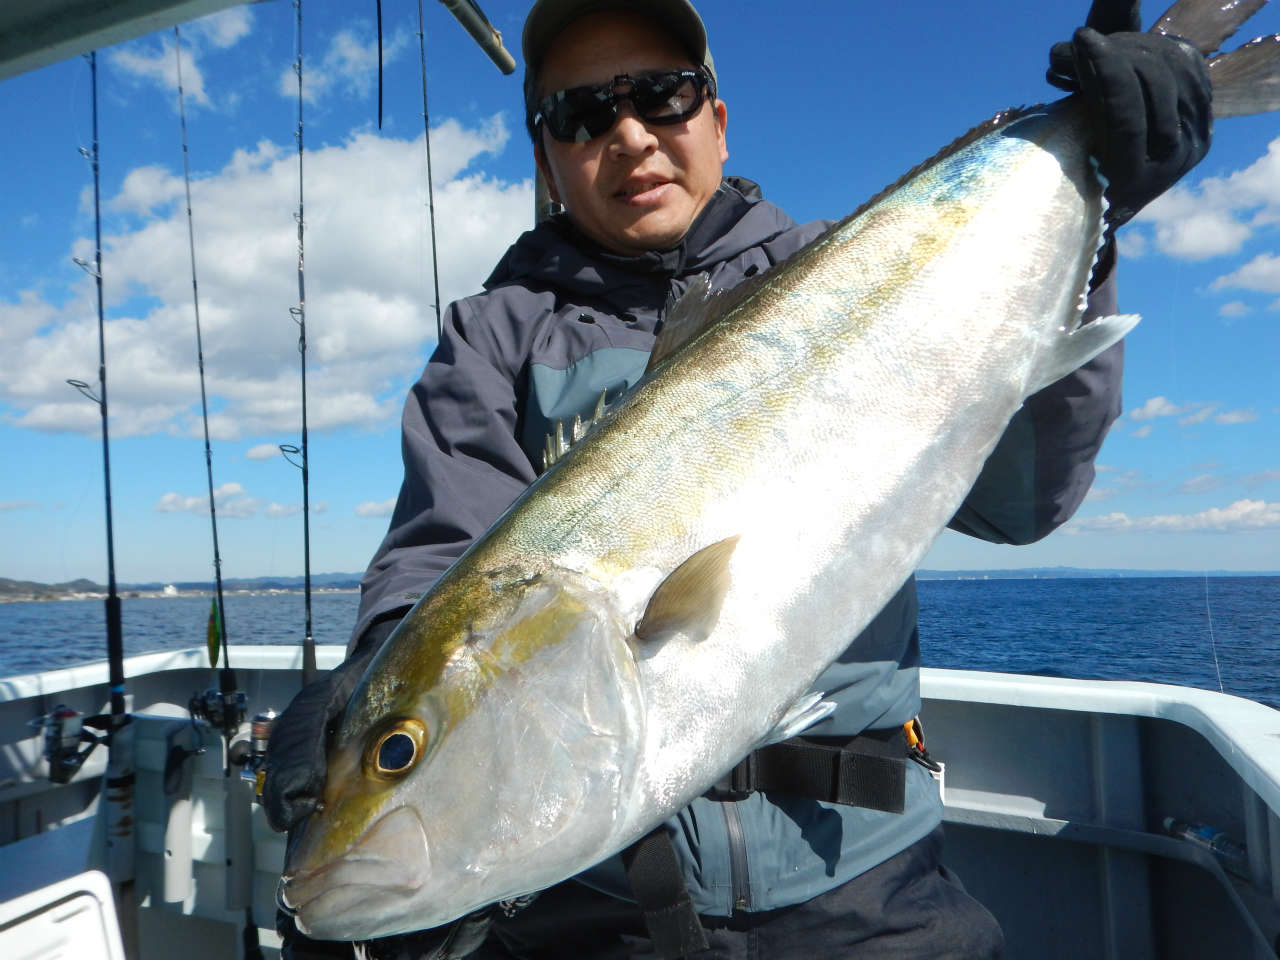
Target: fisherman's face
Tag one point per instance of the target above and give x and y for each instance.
(639, 185)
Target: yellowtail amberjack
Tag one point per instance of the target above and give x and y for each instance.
(644, 615)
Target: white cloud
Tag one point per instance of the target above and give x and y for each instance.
(230, 500)
(368, 260)
(159, 68)
(1131, 244)
(1261, 478)
(1142, 432)
(1262, 273)
(263, 451)
(1187, 231)
(156, 66)
(146, 188)
(8, 505)
(1220, 214)
(348, 66)
(1240, 516)
(372, 508)
(1156, 407)
(1234, 309)
(1195, 413)
(26, 317)
(1204, 483)
(1236, 416)
(223, 29)
(283, 510)
(1200, 415)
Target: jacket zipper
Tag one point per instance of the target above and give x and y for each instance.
(739, 873)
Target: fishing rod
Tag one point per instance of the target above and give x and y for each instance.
(299, 314)
(217, 632)
(119, 782)
(224, 707)
(431, 197)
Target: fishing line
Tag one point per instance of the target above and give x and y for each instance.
(426, 139)
(299, 314)
(1213, 647)
(1174, 317)
(218, 622)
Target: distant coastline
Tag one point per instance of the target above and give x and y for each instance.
(12, 591)
(16, 591)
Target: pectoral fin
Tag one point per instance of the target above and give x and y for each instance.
(689, 599)
(800, 716)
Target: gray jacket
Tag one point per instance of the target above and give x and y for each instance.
(562, 320)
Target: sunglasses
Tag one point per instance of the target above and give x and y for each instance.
(580, 114)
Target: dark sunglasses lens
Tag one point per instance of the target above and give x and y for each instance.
(667, 97)
(579, 114)
(582, 113)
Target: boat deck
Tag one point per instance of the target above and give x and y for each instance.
(1056, 794)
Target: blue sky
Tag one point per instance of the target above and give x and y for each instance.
(827, 103)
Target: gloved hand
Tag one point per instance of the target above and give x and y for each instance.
(296, 752)
(1148, 98)
(453, 941)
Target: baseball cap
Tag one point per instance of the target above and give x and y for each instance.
(548, 17)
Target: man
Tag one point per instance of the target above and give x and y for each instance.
(630, 136)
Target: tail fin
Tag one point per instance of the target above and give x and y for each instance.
(1206, 24)
(1246, 80)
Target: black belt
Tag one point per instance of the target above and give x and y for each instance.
(869, 770)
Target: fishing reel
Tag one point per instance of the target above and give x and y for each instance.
(67, 744)
(222, 709)
(251, 755)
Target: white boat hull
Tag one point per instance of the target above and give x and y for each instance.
(1055, 794)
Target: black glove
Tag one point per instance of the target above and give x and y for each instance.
(1148, 98)
(296, 752)
(453, 941)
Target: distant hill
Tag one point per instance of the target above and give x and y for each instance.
(30, 590)
(1080, 573)
(319, 581)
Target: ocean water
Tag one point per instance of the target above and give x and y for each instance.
(1185, 630)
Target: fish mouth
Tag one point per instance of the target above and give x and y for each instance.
(344, 898)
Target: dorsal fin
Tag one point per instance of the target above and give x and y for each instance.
(684, 319)
(689, 599)
(697, 309)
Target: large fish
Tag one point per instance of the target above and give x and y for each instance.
(661, 600)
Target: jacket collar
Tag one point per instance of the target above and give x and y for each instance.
(557, 254)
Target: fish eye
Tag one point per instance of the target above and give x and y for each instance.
(397, 749)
